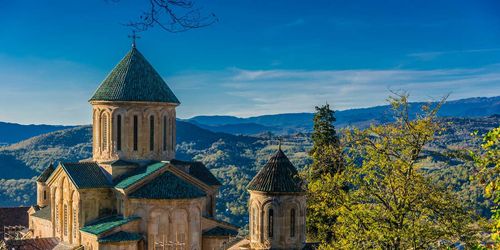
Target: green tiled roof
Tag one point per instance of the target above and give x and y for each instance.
(138, 175)
(44, 176)
(86, 175)
(278, 175)
(134, 79)
(220, 231)
(106, 224)
(199, 171)
(43, 213)
(167, 186)
(120, 236)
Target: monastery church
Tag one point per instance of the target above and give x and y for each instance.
(134, 194)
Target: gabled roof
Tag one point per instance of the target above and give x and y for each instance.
(278, 175)
(167, 186)
(46, 173)
(197, 170)
(43, 213)
(106, 224)
(137, 175)
(120, 236)
(86, 175)
(134, 79)
(220, 231)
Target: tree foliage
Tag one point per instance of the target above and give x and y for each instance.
(489, 171)
(390, 203)
(326, 151)
(327, 156)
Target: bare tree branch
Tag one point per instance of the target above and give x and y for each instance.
(172, 16)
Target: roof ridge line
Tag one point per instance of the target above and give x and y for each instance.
(67, 173)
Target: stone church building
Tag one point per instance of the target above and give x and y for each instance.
(134, 194)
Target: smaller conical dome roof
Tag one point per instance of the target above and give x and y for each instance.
(134, 79)
(46, 173)
(278, 175)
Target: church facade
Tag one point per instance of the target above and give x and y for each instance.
(134, 194)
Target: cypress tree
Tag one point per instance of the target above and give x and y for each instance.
(326, 152)
(321, 187)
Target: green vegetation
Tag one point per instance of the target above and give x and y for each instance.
(236, 159)
(389, 202)
(488, 163)
(328, 163)
(326, 151)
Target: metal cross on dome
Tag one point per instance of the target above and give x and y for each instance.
(134, 37)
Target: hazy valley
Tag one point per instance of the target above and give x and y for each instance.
(235, 159)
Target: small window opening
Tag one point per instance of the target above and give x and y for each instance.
(135, 132)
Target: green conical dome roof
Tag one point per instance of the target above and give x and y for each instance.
(134, 79)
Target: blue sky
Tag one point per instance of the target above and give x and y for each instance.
(262, 57)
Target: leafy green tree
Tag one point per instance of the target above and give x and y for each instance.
(489, 171)
(390, 203)
(326, 154)
(326, 151)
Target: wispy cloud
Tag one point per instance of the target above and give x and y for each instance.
(427, 56)
(56, 91)
(255, 92)
(296, 22)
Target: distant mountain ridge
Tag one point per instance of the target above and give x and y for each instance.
(13, 132)
(287, 123)
(234, 160)
(362, 117)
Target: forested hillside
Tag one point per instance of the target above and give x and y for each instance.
(233, 159)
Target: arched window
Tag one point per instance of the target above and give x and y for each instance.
(74, 223)
(254, 221)
(292, 223)
(135, 132)
(171, 125)
(119, 132)
(44, 194)
(151, 133)
(270, 223)
(56, 215)
(65, 223)
(104, 132)
(164, 133)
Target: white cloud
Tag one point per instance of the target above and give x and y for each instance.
(254, 92)
(431, 55)
(56, 91)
